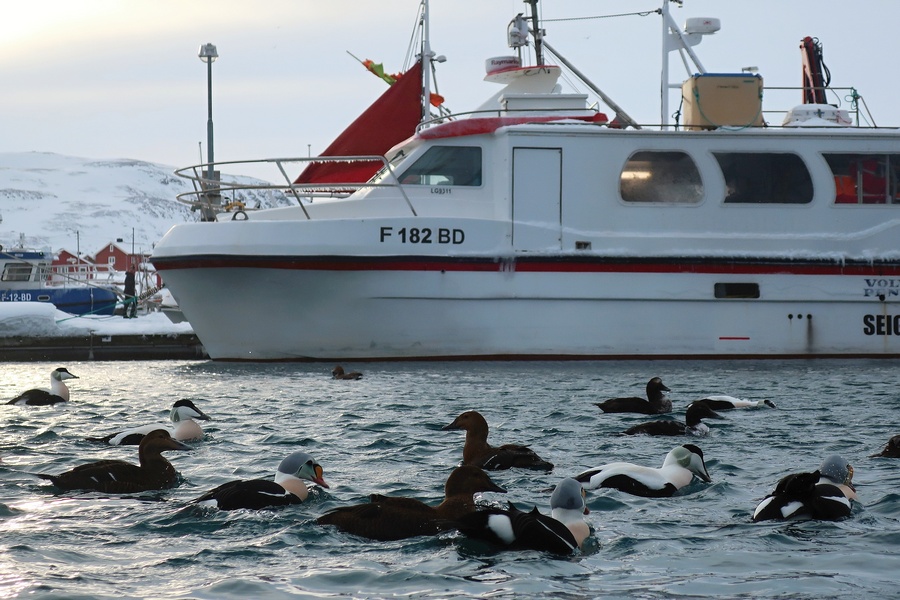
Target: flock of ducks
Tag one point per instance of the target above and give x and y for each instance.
(825, 493)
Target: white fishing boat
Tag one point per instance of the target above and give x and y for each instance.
(535, 227)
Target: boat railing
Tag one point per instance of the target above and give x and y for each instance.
(208, 193)
(847, 98)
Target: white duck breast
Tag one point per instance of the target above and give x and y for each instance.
(679, 468)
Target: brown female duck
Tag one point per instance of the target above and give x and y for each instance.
(120, 477)
(388, 518)
(479, 453)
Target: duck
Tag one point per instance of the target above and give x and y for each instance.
(479, 453)
(388, 518)
(338, 373)
(692, 425)
(255, 494)
(730, 402)
(58, 391)
(824, 494)
(680, 466)
(120, 477)
(891, 449)
(184, 429)
(563, 532)
(656, 402)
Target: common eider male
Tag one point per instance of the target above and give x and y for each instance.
(120, 477)
(58, 392)
(692, 424)
(255, 494)
(824, 494)
(729, 402)
(184, 428)
(655, 403)
(388, 518)
(563, 532)
(479, 453)
(678, 470)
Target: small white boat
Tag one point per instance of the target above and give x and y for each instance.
(536, 227)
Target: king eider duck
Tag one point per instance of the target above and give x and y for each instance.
(729, 402)
(184, 427)
(255, 494)
(479, 453)
(561, 533)
(824, 494)
(655, 403)
(338, 373)
(891, 449)
(692, 425)
(58, 392)
(388, 518)
(679, 468)
(120, 477)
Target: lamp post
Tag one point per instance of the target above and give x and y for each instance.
(209, 55)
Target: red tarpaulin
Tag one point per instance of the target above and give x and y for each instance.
(387, 122)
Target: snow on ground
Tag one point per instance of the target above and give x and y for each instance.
(39, 319)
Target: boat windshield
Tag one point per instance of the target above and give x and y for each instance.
(446, 165)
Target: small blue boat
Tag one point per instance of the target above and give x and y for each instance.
(25, 277)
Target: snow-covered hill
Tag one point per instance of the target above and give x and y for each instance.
(82, 204)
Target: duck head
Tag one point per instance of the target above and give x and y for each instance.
(689, 457)
(185, 409)
(302, 466)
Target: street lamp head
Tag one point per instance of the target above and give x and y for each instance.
(208, 53)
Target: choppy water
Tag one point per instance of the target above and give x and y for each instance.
(383, 434)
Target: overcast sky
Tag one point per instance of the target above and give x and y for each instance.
(121, 78)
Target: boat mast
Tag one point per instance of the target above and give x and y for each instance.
(427, 55)
(673, 38)
(538, 34)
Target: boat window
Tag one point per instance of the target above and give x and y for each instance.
(765, 178)
(16, 272)
(670, 177)
(865, 178)
(445, 165)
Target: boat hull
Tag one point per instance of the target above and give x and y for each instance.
(73, 300)
(378, 308)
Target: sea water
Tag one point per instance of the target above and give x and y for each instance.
(383, 435)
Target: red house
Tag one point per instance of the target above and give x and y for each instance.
(118, 258)
(67, 266)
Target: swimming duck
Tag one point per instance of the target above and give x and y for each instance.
(824, 494)
(692, 425)
(338, 373)
(58, 392)
(255, 494)
(120, 477)
(182, 416)
(891, 449)
(729, 402)
(679, 468)
(479, 453)
(655, 403)
(388, 518)
(561, 533)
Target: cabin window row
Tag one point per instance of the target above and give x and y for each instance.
(760, 178)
